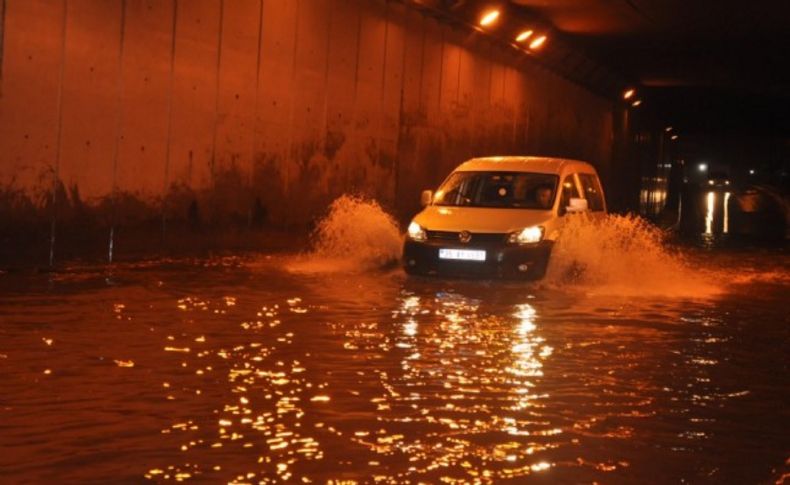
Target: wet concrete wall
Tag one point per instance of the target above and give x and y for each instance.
(228, 115)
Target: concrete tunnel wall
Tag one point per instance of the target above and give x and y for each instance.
(231, 114)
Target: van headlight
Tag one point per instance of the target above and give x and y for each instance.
(416, 232)
(528, 235)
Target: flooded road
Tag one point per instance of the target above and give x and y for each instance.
(254, 369)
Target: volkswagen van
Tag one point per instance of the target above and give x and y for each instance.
(499, 216)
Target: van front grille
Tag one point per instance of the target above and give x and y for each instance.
(477, 237)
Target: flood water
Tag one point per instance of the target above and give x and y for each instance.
(272, 368)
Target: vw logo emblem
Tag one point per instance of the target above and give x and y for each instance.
(464, 237)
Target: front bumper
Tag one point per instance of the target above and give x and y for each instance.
(502, 260)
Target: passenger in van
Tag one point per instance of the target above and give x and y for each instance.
(543, 196)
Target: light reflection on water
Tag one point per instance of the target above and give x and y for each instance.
(712, 210)
(237, 372)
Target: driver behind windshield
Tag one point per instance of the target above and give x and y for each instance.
(543, 196)
(498, 189)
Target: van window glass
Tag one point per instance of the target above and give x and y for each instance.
(592, 191)
(568, 191)
(509, 190)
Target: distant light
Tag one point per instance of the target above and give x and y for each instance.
(710, 182)
(726, 182)
(489, 18)
(751, 172)
(628, 93)
(524, 36)
(535, 44)
(674, 137)
(636, 103)
(668, 129)
(702, 167)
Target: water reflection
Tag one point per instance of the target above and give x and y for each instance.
(717, 218)
(262, 410)
(378, 378)
(710, 210)
(461, 407)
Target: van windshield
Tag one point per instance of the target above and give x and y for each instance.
(513, 190)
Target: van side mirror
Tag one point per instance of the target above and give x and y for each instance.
(576, 205)
(426, 198)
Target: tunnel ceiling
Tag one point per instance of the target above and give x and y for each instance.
(702, 65)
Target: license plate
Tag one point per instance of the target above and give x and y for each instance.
(463, 254)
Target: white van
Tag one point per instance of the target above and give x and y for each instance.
(499, 216)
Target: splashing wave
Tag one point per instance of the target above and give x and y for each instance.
(623, 255)
(356, 235)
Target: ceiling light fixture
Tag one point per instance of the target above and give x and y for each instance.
(489, 18)
(524, 35)
(628, 93)
(636, 103)
(538, 42)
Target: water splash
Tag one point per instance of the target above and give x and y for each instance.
(356, 235)
(623, 255)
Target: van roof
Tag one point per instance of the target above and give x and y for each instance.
(524, 164)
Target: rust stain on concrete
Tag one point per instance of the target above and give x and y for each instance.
(362, 97)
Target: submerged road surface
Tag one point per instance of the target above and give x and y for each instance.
(248, 370)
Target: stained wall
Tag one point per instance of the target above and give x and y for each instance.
(247, 113)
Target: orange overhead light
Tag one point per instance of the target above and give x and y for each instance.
(539, 41)
(674, 137)
(636, 103)
(524, 35)
(489, 17)
(668, 129)
(629, 93)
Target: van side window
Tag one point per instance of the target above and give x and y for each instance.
(592, 191)
(569, 191)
